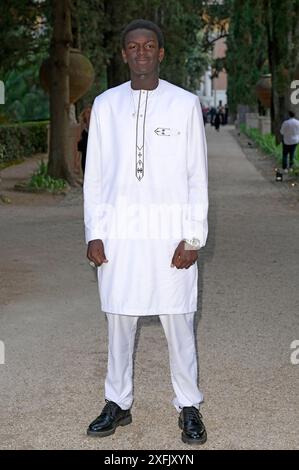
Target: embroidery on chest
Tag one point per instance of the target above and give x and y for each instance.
(166, 131)
(140, 136)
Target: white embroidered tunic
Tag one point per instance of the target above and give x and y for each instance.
(145, 189)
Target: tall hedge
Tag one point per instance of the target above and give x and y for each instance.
(22, 140)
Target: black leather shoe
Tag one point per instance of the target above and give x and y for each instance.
(190, 421)
(111, 417)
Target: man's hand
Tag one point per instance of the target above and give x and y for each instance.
(96, 252)
(183, 258)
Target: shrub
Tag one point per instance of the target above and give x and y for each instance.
(21, 140)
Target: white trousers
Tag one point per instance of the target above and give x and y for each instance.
(179, 332)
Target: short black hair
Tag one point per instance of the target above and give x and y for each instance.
(291, 114)
(142, 24)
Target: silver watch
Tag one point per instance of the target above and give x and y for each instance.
(192, 244)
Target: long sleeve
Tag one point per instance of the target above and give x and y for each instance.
(93, 181)
(196, 220)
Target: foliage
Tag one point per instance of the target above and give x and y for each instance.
(40, 180)
(186, 59)
(24, 98)
(283, 37)
(263, 38)
(22, 140)
(101, 25)
(90, 16)
(197, 62)
(247, 52)
(23, 31)
(283, 46)
(24, 36)
(26, 28)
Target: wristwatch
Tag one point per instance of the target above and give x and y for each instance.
(192, 244)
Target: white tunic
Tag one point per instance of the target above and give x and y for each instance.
(145, 189)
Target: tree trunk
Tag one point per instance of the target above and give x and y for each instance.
(60, 151)
(281, 58)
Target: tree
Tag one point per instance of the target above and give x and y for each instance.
(23, 32)
(59, 153)
(92, 24)
(282, 26)
(24, 37)
(246, 58)
(263, 38)
(185, 59)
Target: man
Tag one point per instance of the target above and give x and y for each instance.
(290, 139)
(145, 194)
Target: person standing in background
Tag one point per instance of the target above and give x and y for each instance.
(290, 139)
(217, 120)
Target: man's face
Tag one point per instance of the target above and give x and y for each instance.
(142, 52)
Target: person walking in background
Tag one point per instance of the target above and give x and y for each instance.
(82, 144)
(212, 113)
(147, 150)
(217, 121)
(290, 138)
